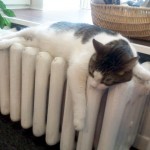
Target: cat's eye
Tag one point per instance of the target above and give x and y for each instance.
(108, 79)
(121, 73)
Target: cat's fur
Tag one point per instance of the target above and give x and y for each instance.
(106, 56)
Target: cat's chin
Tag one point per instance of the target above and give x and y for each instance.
(102, 86)
(97, 85)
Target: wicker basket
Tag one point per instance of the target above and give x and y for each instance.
(129, 21)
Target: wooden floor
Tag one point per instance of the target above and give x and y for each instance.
(53, 16)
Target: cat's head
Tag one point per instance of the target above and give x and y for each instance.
(112, 63)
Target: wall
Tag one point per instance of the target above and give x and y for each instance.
(37, 4)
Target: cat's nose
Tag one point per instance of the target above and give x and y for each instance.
(102, 82)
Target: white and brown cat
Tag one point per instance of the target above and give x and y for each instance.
(108, 57)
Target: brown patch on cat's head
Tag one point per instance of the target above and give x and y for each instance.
(114, 61)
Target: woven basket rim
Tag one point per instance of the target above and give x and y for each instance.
(121, 6)
(123, 16)
(141, 23)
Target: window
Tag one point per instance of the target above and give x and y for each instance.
(16, 2)
(65, 4)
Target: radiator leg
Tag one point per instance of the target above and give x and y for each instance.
(4, 82)
(85, 140)
(57, 79)
(28, 73)
(15, 81)
(68, 131)
(43, 63)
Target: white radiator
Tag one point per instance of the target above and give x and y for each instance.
(33, 90)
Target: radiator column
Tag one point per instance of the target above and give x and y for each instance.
(125, 104)
(68, 132)
(15, 81)
(4, 82)
(57, 80)
(43, 63)
(28, 75)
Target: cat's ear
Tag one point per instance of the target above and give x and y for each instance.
(130, 64)
(99, 47)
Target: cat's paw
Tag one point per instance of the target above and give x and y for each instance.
(102, 86)
(79, 124)
(97, 84)
(79, 118)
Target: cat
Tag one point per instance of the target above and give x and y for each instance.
(106, 56)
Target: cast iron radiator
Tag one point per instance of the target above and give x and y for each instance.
(34, 90)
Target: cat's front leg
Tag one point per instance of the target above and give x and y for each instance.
(141, 72)
(26, 33)
(6, 43)
(77, 77)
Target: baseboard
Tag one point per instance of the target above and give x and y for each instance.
(36, 8)
(18, 6)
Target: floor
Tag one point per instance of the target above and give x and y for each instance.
(53, 16)
(14, 137)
